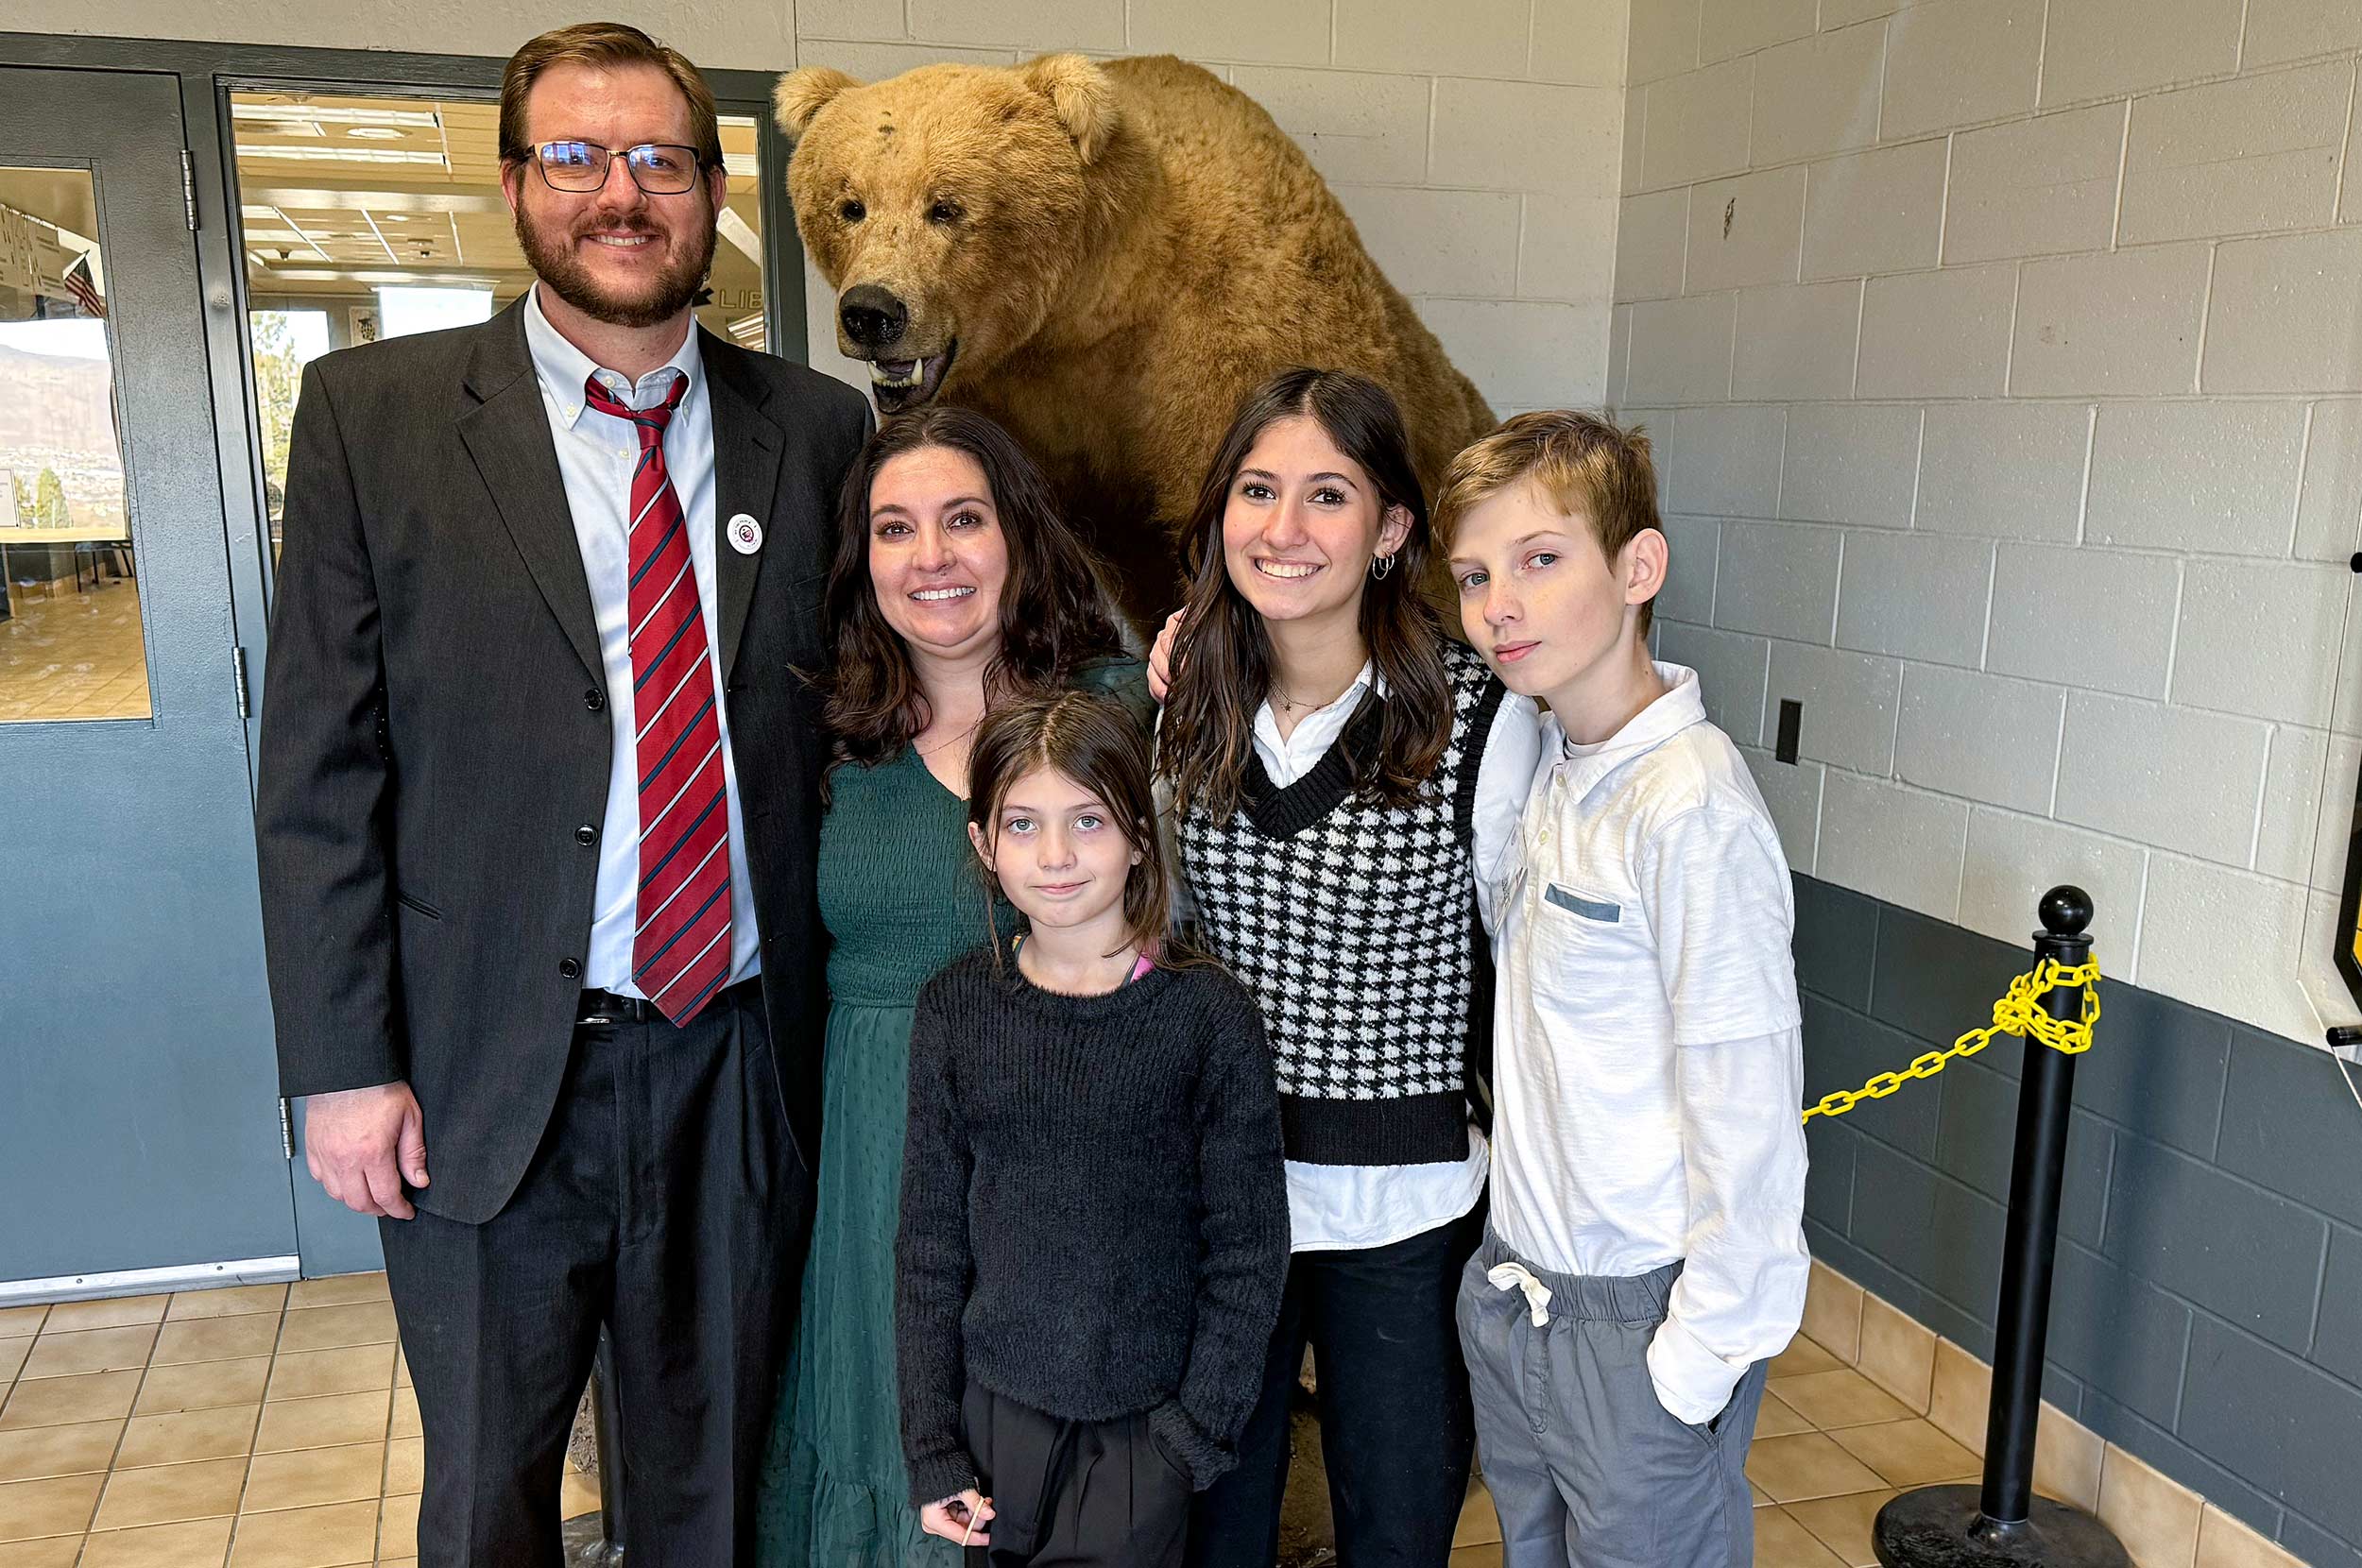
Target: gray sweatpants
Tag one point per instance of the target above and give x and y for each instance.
(1585, 1468)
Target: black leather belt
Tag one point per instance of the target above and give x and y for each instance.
(604, 1007)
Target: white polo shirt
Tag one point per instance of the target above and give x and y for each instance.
(1648, 1067)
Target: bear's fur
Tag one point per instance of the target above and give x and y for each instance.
(1111, 256)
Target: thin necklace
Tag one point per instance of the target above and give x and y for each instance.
(930, 751)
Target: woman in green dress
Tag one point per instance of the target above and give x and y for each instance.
(954, 586)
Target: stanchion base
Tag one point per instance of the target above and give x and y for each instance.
(586, 1544)
(1943, 1527)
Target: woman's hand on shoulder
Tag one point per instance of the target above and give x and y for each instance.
(1161, 657)
(961, 1519)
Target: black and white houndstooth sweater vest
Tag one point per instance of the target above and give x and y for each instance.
(1354, 924)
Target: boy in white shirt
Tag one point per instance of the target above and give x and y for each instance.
(1645, 1255)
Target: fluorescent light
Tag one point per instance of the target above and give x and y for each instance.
(326, 115)
(345, 155)
(374, 133)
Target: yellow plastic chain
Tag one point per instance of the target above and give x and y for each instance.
(2014, 1013)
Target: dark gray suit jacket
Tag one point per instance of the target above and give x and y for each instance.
(434, 733)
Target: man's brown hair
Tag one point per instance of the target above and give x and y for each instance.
(610, 44)
(1585, 467)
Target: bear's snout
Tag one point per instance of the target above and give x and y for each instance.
(872, 317)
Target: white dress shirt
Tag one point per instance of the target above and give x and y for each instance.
(596, 453)
(1332, 1207)
(1648, 1055)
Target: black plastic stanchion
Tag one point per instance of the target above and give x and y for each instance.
(596, 1540)
(2003, 1524)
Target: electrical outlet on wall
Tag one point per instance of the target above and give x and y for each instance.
(1791, 721)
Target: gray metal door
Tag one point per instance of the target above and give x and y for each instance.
(139, 1121)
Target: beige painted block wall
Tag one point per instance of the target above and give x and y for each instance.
(2003, 359)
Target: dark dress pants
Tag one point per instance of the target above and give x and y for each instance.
(1072, 1493)
(1396, 1431)
(666, 1201)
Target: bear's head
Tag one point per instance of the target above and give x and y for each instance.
(946, 207)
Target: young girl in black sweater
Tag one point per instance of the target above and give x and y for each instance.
(1094, 1227)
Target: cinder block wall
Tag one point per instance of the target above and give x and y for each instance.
(1475, 146)
(2001, 356)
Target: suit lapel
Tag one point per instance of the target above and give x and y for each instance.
(507, 433)
(746, 450)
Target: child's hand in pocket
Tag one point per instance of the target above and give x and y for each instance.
(961, 1519)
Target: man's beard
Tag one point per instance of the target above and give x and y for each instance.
(558, 265)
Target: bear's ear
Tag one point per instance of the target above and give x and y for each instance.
(804, 94)
(1081, 94)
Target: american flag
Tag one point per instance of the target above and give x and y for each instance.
(78, 283)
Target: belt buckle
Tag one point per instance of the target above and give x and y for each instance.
(611, 1009)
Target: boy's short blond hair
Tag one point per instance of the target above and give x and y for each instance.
(1585, 466)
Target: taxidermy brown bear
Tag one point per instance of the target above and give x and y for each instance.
(1106, 258)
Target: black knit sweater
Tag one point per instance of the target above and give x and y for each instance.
(1094, 1210)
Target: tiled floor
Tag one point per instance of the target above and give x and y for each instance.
(265, 1427)
(74, 656)
(273, 1426)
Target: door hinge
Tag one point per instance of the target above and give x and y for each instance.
(286, 1132)
(237, 663)
(188, 187)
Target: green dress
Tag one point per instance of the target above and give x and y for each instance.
(901, 896)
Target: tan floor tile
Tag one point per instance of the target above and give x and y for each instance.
(216, 1339)
(163, 1493)
(21, 1320)
(71, 1353)
(302, 1375)
(1841, 1398)
(203, 1384)
(1808, 1464)
(229, 1300)
(1833, 1312)
(405, 1414)
(327, 1422)
(1802, 1359)
(1842, 1523)
(1777, 1419)
(1782, 1542)
(194, 1544)
(1898, 1353)
(577, 1494)
(398, 1527)
(220, 1432)
(55, 1401)
(309, 1477)
(1908, 1452)
(1961, 1396)
(57, 1551)
(398, 1563)
(1757, 1496)
(334, 1327)
(2067, 1457)
(2224, 1542)
(2155, 1517)
(306, 1538)
(338, 1290)
(405, 1473)
(59, 1506)
(115, 1312)
(37, 1453)
(12, 1355)
(1478, 1523)
(401, 1367)
(1487, 1555)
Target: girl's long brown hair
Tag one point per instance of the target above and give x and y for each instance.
(1054, 608)
(1095, 741)
(1222, 655)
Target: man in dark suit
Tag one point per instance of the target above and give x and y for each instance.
(538, 813)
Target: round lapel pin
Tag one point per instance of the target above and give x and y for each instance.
(746, 535)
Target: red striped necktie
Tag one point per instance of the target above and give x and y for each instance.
(680, 954)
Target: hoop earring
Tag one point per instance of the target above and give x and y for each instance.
(1380, 566)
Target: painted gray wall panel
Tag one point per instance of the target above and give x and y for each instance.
(2213, 1210)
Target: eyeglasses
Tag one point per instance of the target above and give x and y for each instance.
(657, 167)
